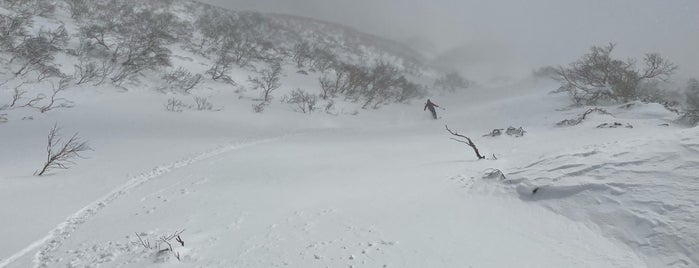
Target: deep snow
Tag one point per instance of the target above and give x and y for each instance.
(355, 188)
(384, 187)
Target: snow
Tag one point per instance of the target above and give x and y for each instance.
(350, 188)
(385, 187)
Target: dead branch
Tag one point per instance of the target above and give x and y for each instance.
(64, 103)
(144, 243)
(17, 94)
(583, 116)
(467, 141)
(61, 156)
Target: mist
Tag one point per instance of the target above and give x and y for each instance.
(509, 38)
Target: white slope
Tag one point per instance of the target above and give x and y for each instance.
(386, 188)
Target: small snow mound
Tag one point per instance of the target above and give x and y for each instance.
(641, 193)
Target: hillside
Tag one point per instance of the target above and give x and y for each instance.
(190, 165)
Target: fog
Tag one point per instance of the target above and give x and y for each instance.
(512, 37)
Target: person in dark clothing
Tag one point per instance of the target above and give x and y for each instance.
(430, 105)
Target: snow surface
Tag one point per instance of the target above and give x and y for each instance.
(383, 188)
(353, 188)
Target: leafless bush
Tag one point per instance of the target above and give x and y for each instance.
(136, 40)
(53, 101)
(614, 125)
(48, 71)
(260, 107)
(328, 87)
(61, 156)
(181, 79)
(175, 105)
(267, 81)
(302, 53)
(17, 94)
(203, 104)
(86, 72)
(598, 77)
(11, 28)
(39, 50)
(163, 244)
(322, 59)
(515, 132)
(495, 133)
(304, 101)
(582, 117)
(652, 92)
(463, 139)
(222, 66)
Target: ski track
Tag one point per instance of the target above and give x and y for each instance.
(64, 230)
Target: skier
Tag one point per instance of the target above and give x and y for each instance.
(430, 105)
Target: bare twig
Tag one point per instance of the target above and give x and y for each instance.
(61, 156)
(144, 243)
(17, 95)
(467, 141)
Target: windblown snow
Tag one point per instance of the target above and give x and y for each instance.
(351, 187)
(381, 188)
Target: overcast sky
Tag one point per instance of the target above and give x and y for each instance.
(521, 33)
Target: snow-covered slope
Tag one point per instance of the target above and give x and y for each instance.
(346, 187)
(381, 188)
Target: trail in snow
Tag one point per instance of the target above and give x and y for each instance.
(348, 200)
(55, 238)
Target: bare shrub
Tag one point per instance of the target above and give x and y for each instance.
(267, 81)
(304, 101)
(327, 86)
(203, 104)
(322, 59)
(515, 132)
(222, 66)
(48, 71)
(11, 28)
(598, 77)
(17, 94)
(463, 139)
(260, 107)
(61, 156)
(163, 244)
(582, 117)
(175, 105)
(39, 50)
(53, 101)
(302, 53)
(86, 72)
(181, 80)
(135, 39)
